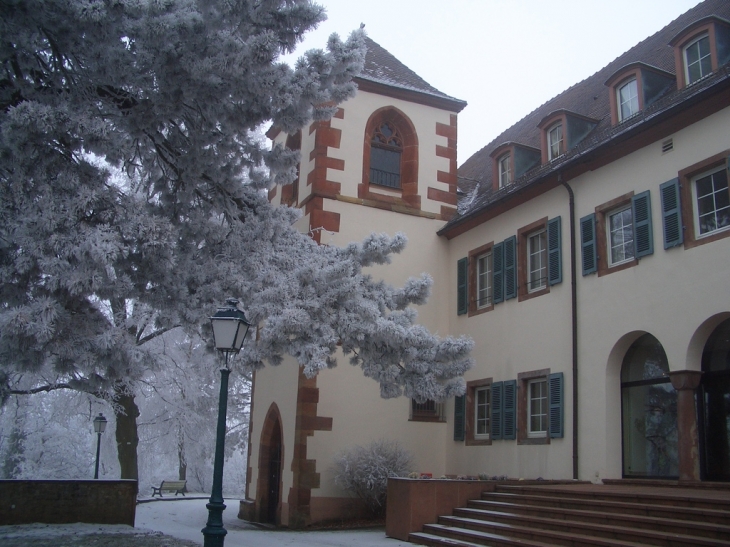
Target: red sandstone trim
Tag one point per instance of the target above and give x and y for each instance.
(449, 151)
(305, 472)
(441, 195)
(249, 470)
(325, 137)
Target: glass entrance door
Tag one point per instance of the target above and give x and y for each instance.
(648, 412)
(715, 405)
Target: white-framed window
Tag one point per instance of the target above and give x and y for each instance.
(481, 413)
(555, 141)
(537, 407)
(505, 170)
(697, 59)
(537, 261)
(620, 232)
(627, 98)
(485, 276)
(711, 202)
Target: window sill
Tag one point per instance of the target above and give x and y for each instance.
(618, 267)
(479, 311)
(478, 442)
(392, 189)
(528, 295)
(432, 419)
(534, 440)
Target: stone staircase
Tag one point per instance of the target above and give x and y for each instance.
(586, 516)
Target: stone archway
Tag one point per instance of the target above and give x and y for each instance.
(714, 403)
(648, 412)
(271, 459)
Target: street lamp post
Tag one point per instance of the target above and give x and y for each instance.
(229, 331)
(99, 428)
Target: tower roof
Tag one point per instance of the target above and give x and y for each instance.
(382, 68)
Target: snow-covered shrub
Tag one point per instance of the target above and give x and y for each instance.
(364, 471)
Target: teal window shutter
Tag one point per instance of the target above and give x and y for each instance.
(510, 267)
(555, 257)
(643, 233)
(462, 286)
(556, 404)
(459, 417)
(509, 411)
(497, 407)
(498, 273)
(588, 243)
(671, 213)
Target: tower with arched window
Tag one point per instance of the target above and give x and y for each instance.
(385, 162)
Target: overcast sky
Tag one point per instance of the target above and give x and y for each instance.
(503, 57)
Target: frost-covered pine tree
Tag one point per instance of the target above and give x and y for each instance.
(131, 200)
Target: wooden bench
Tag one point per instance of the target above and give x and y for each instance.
(179, 487)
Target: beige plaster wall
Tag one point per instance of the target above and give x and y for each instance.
(669, 294)
(360, 414)
(513, 338)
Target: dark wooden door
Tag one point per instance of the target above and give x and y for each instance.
(274, 478)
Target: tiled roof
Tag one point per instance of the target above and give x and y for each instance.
(383, 68)
(588, 98)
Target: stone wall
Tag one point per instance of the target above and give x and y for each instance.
(62, 501)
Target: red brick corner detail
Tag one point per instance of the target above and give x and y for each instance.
(305, 475)
(325, 136)
(448, 152)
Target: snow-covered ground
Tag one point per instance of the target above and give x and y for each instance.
(184, 519)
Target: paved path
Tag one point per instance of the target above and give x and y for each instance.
(185, 518)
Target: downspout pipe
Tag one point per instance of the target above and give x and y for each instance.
(574, 304)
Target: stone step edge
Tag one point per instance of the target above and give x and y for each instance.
(592, 529)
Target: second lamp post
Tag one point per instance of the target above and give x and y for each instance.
(99, 428)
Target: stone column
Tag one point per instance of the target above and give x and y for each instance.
(686, 383)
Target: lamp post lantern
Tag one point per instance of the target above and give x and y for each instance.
(99, 428)
(230, 328)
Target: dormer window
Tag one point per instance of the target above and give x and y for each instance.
(627, 97)
(510, 161)
(561, 131)
(555, 141)
(636, 86)
(700, 49)
(697, 59)
(385, 155)
(505, 170)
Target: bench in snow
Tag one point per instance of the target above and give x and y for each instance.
(170, 486)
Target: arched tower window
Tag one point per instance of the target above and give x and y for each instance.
(390, 159)
(649, 412)
(386, 149)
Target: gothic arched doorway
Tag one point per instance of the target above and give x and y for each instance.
(271, 455)
(715, 406)
(648, 412)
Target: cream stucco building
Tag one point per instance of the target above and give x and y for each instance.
(588, 259)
